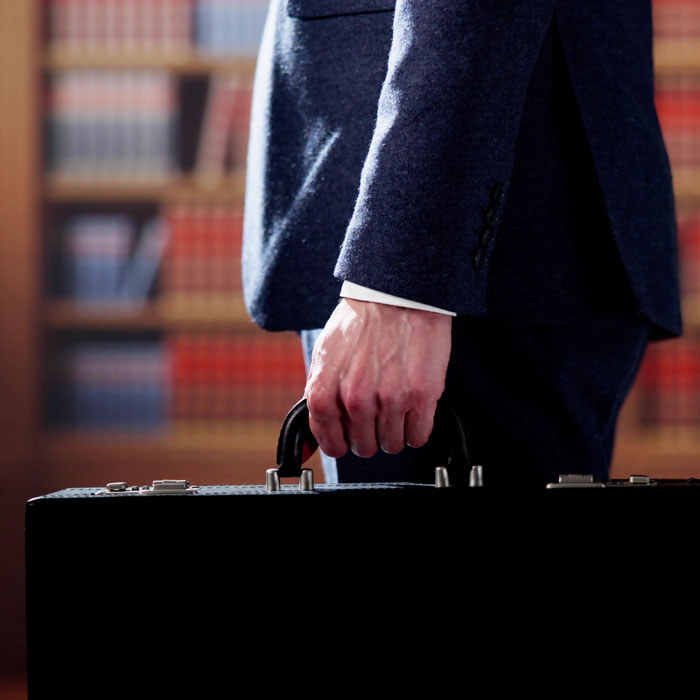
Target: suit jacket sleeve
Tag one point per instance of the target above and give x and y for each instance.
(435, 177)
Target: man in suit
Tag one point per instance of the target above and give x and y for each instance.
(485, 184)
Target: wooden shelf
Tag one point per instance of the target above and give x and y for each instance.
(207, 313)
(670, 454)
(173, 189)
(68, 315)
(177, 189)
(686, 183)
(210, 437)
(676, 55)
(238, 455)
(670, 55)
(181, 63)
(235, 454)
(691, 317)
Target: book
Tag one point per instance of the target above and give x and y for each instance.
(676, 19)
(143, 27)
(141, 270)
(669, 381)
(112, 125)
(220, 379)
(229, 27)
(678, 106)
(689, 262)
(217, 127)
(201, 261)
(94, 253)
(109, 385)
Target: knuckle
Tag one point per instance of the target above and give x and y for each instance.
(391, 400)
(418, 396)
(425, 396)
(356, 404)
(319, 401)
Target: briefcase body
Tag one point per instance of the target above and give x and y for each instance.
(143, 589)
(133, 587)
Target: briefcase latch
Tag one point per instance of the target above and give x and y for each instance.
(159, 486)
(162, 486)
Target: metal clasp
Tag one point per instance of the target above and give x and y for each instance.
(272, 480)
(576, 481)
(169, 486)
(117, 486)
(442, 478)
(576, 478)
(159, 486)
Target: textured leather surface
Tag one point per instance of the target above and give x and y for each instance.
(240, 490)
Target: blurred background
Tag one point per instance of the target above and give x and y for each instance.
(125, 350)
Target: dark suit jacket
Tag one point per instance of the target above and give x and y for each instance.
(498, 158)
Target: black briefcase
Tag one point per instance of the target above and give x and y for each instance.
(143, 590)
(138, 587)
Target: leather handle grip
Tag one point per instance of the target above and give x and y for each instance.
(296, 442)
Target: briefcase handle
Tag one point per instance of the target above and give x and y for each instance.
(296, 442)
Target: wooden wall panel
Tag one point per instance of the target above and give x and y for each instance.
(19, 240)
(19, 307)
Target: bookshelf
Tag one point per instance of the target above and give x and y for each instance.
(53, 196)
(659, 428)
(55, 320)
(184, 65)
(172, 188)
(52, 319)
(227, 314)
(676, 54)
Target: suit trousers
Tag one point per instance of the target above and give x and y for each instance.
(537, 400)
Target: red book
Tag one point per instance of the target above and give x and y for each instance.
(669, 380)
(676, 19)
(210, 165)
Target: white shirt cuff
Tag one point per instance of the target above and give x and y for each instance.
(351, 290)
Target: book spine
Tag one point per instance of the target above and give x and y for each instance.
(103, 386)
(676, 19)
(219, 379)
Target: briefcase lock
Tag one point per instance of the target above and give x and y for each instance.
(158, 487)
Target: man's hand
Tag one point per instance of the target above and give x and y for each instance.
(376, 374)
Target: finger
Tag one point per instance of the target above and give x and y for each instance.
(390, 430)
(330, 436)
(418, 426)
(361, 428)
(325, 421)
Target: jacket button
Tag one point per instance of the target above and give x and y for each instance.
(498, 193)
(490, 217)
(488, 236)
